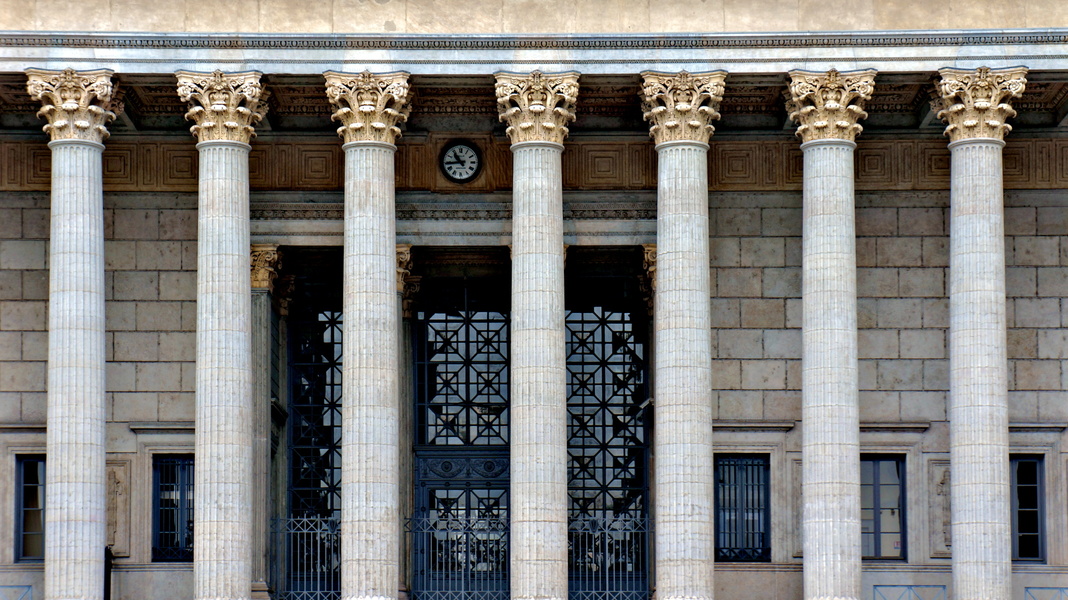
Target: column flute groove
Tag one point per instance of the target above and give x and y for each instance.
(76, 105)
(826, 107)
(370, 108)
(974, 104)
(537, 108)
(224, 108)
(680, 109)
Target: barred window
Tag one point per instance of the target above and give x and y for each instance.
(743, 508)
(172, 508)
(30, 520)
(1028, 509)
(882, 506)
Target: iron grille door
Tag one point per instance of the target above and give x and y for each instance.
(608, 453)
(459, 530)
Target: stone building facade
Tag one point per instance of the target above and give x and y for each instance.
(449, 310)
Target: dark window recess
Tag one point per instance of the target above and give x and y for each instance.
(743, 508)
(172, 504)
(30, 520)
(1028, 509)
(882, 507)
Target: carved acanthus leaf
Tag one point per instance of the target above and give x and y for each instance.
(370, 106)
(77, 104)
(264, 261)
(224, 106)
(975, 104)
(537, 107)
(828, 105)
(681, 106)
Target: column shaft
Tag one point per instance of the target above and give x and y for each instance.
(538, 408)
(829, 413)
(682, 441)
(978, 388)
(223, 500)
(75, 489)
(370, 524)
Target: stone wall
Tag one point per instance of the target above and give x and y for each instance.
(523, 16)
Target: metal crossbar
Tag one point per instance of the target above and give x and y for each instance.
(1046, 593)
(307, 558)
(909, 592)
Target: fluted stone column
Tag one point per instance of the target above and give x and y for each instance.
(680, 109)
(826, 107)
(264, 262)
(370, 107)
(974, 105)
(224, 108)
(537, 109)
(76, 105)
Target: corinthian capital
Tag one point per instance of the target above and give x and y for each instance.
(537, 107)
(974, 104)
(264, 262)
(77, 104)
(370, 107)
(828, 105)
(224, 106)
(681, 106)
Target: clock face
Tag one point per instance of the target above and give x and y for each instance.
(461, 162)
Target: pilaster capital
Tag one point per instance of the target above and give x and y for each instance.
(975, 103)
(224, 106)
(404, 264)
(648, 283)
(681, 106)
(264, 261)
(537, 107)
(370, 106)
(77, 104)
(828, 105)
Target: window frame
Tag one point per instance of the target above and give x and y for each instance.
(877, 533)
(186, 472)
(20, 509)
(764, 552)
(1040, 485)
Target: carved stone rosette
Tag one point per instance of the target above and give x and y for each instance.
(974, 104)
(537, 107)
(77, 104)
(828, 105)
(682, 106)
(370, 107)
(264, 261)
(224, 106)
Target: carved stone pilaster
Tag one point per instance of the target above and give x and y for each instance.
(77, 104)
(370, 106)
(975, 104)
(224, 106)
(681, 106)
(264, 261)
(828, 105)
(648, 283)
(537, 107)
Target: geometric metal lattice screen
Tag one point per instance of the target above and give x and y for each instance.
(1046, 593)
(608, 452)
(909, 592)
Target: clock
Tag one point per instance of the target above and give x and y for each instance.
(460, 161)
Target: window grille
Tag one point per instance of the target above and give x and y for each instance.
(743, 508)
(30, 527)
(1028, 509)
(172, 532)
(882, 507)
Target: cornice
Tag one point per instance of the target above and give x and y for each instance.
(519, 41)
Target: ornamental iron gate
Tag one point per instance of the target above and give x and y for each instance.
(308, 547)
(459, 532)
(608, 449)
